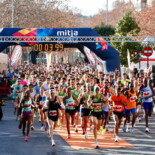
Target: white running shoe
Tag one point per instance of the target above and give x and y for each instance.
(42, 128)
(52, 141)
(132, 131)
(116, 139)
(86, 135)
(147, 130)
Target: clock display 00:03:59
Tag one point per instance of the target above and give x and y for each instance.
(48, 47)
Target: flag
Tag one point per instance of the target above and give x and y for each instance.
(98, 60)
(16, 56)
(89, 56)
(129, 59)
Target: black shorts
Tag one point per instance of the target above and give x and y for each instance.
(97, 114)
(19, 111)
(85, 112)
(77, 108)
(139, 103)
(71, 112)
(53, 118)
(119, 114)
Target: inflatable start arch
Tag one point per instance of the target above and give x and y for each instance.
(67, 37)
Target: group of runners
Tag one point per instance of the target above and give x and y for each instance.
(80, 97)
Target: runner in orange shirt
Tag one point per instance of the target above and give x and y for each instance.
(130, 108)
(118, 103)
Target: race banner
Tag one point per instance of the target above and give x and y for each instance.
(98, 60)
(89, 56)
(16, 56)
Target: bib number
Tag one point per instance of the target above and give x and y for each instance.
(53, 113)
(133, 98)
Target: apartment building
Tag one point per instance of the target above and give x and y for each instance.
(141, 4)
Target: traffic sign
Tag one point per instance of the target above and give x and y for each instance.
(147, 51)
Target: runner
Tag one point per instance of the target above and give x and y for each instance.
(118, 103)
(85, 111)
(96, 113)
(130, 108)
(70, 102)
(26, 105)
(147, 99)
(52, 105)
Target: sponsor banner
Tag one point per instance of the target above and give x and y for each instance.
(16, 56)
(89, 56)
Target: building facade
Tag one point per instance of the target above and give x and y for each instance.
(141, 4)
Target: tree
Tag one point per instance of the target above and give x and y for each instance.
(105, 30)
(146, 20)
(37, 14)
(127, 26)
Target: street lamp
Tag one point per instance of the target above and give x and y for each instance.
(106, 12)
(12, 21)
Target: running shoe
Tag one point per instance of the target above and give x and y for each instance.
(147, 130)
(42, 128)
(32, 127)
(124, 129)
(103, 131)
(116, 139)
(34, 115)
(132, 131)
(86, 135)
(26, 138)
(107, 128)
(97, 147)
(20, 126)
(91, 129)
(53, 143)
(69, 136)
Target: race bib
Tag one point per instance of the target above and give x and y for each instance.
(118, 108)
(96, 105)
(133, 98)
(70, 105)
(53, 113)
(146, 94)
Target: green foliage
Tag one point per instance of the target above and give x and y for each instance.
(127, 26)
(105, 30)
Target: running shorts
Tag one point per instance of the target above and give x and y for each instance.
(97, 114)
(119, 114)
(85, 112)
(148, 106)
(130, 111)
(71, 112)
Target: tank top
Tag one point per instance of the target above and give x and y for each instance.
(97, 104)
(53, 107)
(27, 105)
(84, 105)
(70, 103)
(76, 94)
(146, 91)
(131, 101)
(107, 107)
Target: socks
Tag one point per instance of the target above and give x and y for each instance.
(96, 142)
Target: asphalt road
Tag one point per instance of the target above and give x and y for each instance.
(12, 142)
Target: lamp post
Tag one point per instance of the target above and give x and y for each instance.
(106, 12)
(12, 21)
